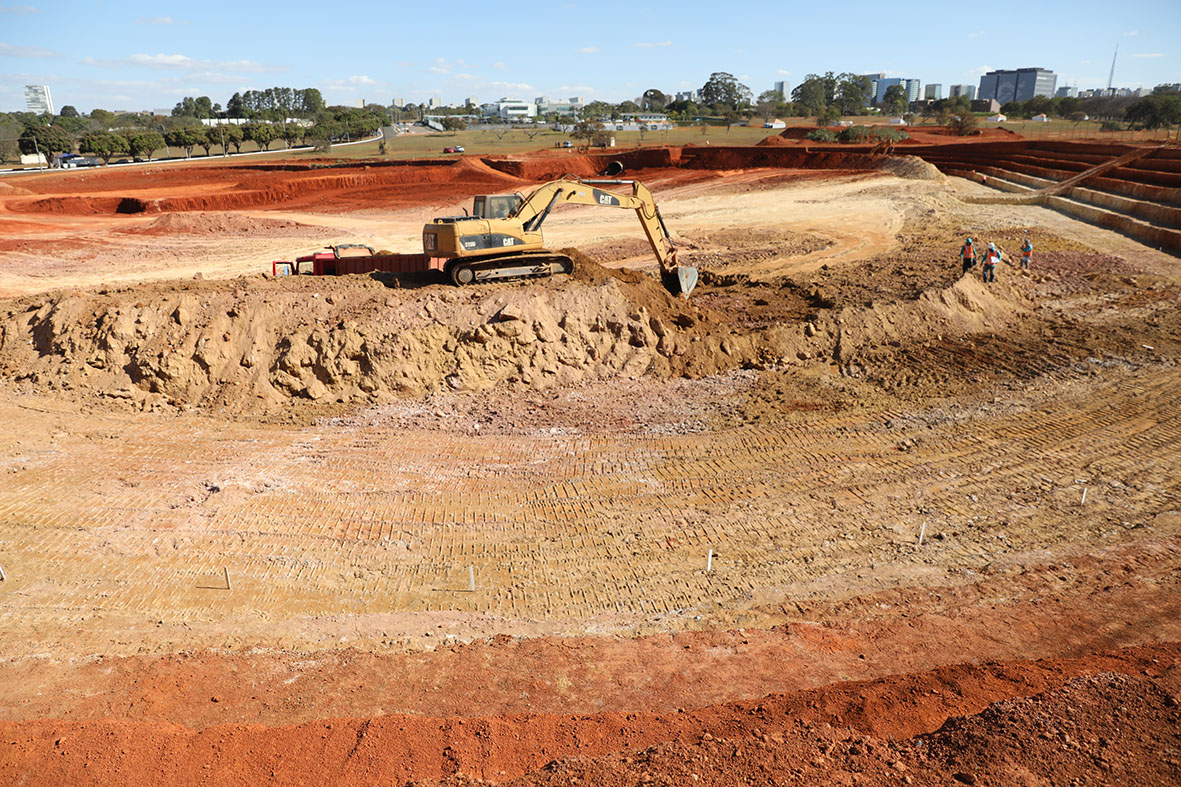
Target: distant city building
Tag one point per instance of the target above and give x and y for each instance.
(515, 109)
(689, 95)
(881, 85)
(781, 89)
(1066, 91)
(986, 105)
(912, 89)
(968, 91)
(470, 102)
(873, 85)
(399, 103)
(1019, 85)
(38, 100)
(933, 92)
(571, 106)
(434, 102)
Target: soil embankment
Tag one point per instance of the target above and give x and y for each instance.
(1051, 720)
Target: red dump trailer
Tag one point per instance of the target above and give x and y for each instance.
(354, 258)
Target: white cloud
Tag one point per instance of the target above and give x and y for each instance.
(981, 70)
(1132, 33)
(521, 87)
(465, 77)
(163, 61)
(498, 64)
(439, 70)
(651, 45)
(1148, 54)
(783, 72)
(588, 50)
(977, 34)
(185, 63)
(19, 10)
(8, 50)
(351, 82)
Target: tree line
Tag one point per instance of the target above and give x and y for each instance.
(108, 135)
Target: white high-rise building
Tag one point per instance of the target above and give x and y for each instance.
(38, 100)
(781, 89)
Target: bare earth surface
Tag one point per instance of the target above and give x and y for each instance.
(845, 516)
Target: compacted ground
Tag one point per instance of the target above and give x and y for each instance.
(845, 515)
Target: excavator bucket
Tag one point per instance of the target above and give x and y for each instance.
(680, 281)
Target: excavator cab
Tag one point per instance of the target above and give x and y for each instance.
(495, 206)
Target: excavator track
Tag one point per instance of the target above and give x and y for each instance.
(512, 266)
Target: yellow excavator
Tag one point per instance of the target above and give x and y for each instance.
(501, 238)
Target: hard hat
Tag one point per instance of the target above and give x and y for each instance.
(969, 240)
(992, 246)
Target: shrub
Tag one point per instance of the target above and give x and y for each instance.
(821, 135)
(963, 124)
(1111, 125)
(869, 134)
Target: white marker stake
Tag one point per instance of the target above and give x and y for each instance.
(709, 562)
(471, 578)
(922, 532)
(3, 576)
(1084, 500)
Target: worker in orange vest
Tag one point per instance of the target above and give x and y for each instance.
(991, 258)
(968, 255)
(1026, 253)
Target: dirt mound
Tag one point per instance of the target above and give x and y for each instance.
(773, 141)
(798, 132)
(910, 167)
(9, 190)
(253, 344)
(1093, 727)
(967, 307)
(224, 223)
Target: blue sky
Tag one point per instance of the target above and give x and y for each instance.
(137, 55)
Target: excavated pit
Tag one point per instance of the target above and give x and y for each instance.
(242, 513)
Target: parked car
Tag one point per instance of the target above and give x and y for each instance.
(453, 149)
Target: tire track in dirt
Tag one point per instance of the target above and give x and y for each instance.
(363, 519)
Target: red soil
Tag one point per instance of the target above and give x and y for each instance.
(391, 749)
(378, 185)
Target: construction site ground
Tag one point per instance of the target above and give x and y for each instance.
(845, 516)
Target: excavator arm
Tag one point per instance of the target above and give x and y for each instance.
(534, 209)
